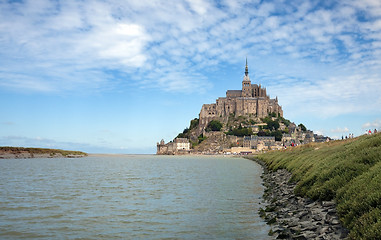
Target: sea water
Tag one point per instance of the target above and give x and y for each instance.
(131, 197)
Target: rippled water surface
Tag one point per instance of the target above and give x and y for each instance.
(131, 197)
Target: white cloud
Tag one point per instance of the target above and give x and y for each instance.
(80, 39)
(330, 97)
(199, 6)
(319, 132)
(375, 124)
(340, 130)
(73, 40)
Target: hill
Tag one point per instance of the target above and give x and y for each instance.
(220, 135)
(242, 121)
(20, 152)
(348, 172)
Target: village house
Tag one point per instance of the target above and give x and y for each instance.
(259, 143)
(178, 146)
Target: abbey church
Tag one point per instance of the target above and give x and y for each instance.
(247, 120)
(251, 101)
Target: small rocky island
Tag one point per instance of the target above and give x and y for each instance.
(244, 121)
(20, 152)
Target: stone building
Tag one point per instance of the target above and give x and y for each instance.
(297, 136)
(178, 146)
(251, 101)
(259, 142)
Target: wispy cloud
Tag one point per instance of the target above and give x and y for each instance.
(375, 124)
(65, 45)
(340, 130)
(330, 96)
(60, 46)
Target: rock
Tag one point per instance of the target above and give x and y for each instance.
(335, 222)
(294, 217)
(328, 204)
(299, 237)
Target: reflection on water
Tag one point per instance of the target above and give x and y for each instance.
(131, 197)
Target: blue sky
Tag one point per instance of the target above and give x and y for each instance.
(118, 76)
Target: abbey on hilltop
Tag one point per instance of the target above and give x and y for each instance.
(241, 110)
(251, 101)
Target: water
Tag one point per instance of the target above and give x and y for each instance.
(131, 197)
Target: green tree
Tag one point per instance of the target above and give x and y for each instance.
(214, 125)
(277, 134)
(284, 121)
(273, 125)
(302, 127)
(194, 123)
(184, 134)
(181, 135)
(201, 138)
(240, 132)
(263, 133)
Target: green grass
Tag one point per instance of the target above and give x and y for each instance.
(42, 151)
(347, 171)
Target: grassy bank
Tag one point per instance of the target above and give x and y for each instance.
(348, 172)
(33, 151)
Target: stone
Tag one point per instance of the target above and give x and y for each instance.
(309, 234)
(328, 204)
(299, 237)
(297, 217)
(335, 222)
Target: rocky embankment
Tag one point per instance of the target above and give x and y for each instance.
(293, 217)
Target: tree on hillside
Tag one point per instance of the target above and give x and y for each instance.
(201, 138)
(240, 132)
(213, 125)
(284, 121)
(277, 134)
(194, 123)
(184, 134)
(271, 125)
(263, 133)
(302, 127)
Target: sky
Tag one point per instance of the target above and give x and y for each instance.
(116, 76)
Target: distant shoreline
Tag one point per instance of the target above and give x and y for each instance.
(153, 154)
(117, 154)
(24, 153)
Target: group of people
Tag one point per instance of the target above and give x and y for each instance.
(370, 131)
(367, 132)
(346, 137)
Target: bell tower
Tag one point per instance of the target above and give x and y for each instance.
(246, 83)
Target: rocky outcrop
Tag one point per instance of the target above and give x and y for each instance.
(294, 217)
(215, 142)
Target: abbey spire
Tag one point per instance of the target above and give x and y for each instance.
(246, 69)
(246, 79)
